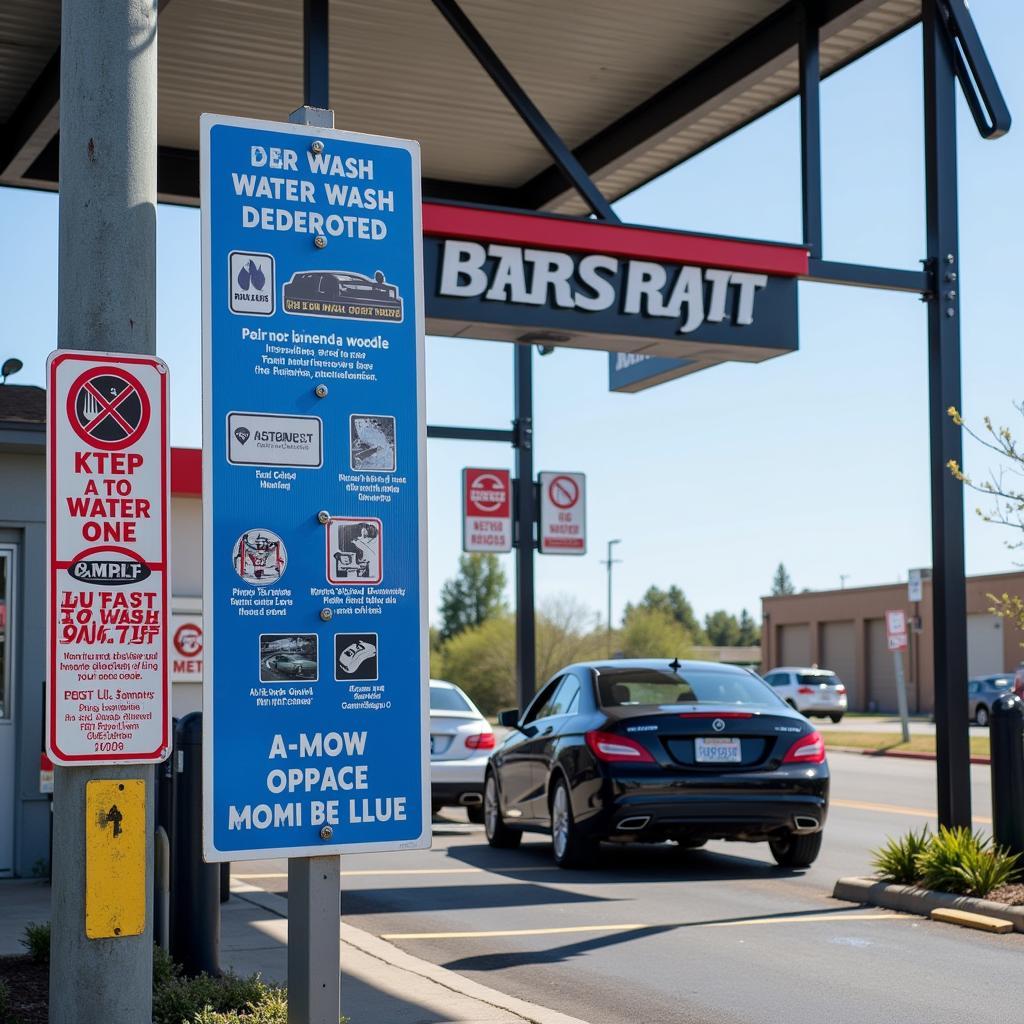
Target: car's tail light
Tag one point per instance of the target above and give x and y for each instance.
(809, 749)
(606, 746)
(481, 741)
(805, 690)
(840, 688)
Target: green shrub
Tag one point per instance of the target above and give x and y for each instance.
(271, 1009)
(180, 1000)
(165, 970)
(37, 941)
(897, 860)
(958, 860)
(5, 1002)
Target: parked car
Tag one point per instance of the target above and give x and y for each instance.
(292, 665)
(650, 751)
(983, 692)
(812, 691)
(461, 741)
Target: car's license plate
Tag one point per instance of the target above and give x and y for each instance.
(718, 750)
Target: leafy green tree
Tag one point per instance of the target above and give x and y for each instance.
(722, 629)
(672, 602)
(652, 633)
(482, 660)
(782, 584)
(474, 595)
(750, 631)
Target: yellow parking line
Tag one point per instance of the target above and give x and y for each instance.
(916, 812)
(842, 916)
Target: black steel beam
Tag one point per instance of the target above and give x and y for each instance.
(525, 515)
(810, 127)
(568, 167)
(831, 272)
(760, 45)
(36, 106)
(949, 604)
(472, 434)
(315, 54)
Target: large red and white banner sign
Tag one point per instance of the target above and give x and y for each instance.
(108, 496)
(486, 510)
(896, 629)
(563, 520)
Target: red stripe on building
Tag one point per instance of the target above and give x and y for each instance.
(186, 471)
(626, 240)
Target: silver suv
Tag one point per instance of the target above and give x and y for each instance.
(812, 691)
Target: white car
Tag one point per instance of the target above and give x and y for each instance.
(812, 691)
(461, 741)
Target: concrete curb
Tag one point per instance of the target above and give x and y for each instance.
(912, 900)
(395, 958)
(910, 755)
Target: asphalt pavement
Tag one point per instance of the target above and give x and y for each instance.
(715, 936)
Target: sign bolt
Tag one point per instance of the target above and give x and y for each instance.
(320, 391)
(317, 146)
(326, 832)
(320, 242)
(949, 257)
(950, 312)
(323, 517)
(326, 614)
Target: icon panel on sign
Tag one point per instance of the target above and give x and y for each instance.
(251, 283)
(354, 551)
(260, 557)
(372, 443)
(355, 657)
(288, 656)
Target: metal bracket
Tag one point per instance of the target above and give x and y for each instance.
(315, 116)
(974, 72)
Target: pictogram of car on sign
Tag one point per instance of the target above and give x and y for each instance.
(354, 655)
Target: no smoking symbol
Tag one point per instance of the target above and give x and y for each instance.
(108, 408)
(563, 491)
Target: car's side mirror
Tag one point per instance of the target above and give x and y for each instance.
(510, 718)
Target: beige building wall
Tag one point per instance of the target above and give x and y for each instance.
(844, 630)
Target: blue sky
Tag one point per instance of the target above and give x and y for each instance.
(818, 459)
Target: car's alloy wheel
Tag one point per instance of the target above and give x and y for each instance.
(796, 851)
(570, 849)
(499, 835)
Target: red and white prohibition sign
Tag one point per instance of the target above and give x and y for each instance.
(563, 521)
(108, 408)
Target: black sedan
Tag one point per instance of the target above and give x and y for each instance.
(648, 751)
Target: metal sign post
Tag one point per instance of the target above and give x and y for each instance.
(896, 636)
(101, 946)
(316, 667)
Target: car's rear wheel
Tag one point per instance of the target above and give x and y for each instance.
(836, 718)
(691, 844)
(435, 806)
(981, 715)
(796, 851)
(475, 813)
(570, 849)
(499, 835)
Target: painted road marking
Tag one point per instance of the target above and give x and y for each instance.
(840, 915)
(916, 812)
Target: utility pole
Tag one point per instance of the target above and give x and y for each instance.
(525, 515)
(843, 577)
(609, 562)
(106, 301)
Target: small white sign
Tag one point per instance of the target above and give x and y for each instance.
(266, 439)
(486, 510)
(251, 283)
(108, 465)
(915, 586)
(896, 629)
(563, 521)
(186, 648)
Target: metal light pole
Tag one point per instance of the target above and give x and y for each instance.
(609, 562)
(106, 302)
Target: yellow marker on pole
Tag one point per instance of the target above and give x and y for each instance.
(115, 858)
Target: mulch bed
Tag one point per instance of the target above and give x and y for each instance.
(28, 981)
(1012, 894)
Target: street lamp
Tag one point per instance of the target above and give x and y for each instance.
(609, 562)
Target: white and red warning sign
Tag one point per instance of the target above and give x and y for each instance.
(896, 629)
(187, 647)
(108, 499)
(563, 519)
(486, 510)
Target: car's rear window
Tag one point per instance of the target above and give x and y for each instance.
(652, 687)
(443, 699)
(1000, 683)
(817, 678)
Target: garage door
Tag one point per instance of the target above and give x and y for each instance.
(795, 645)
(839, 653)
(984, 645)
(881, 669)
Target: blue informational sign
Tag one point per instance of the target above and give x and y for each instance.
(315, 700)
(628, 371)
